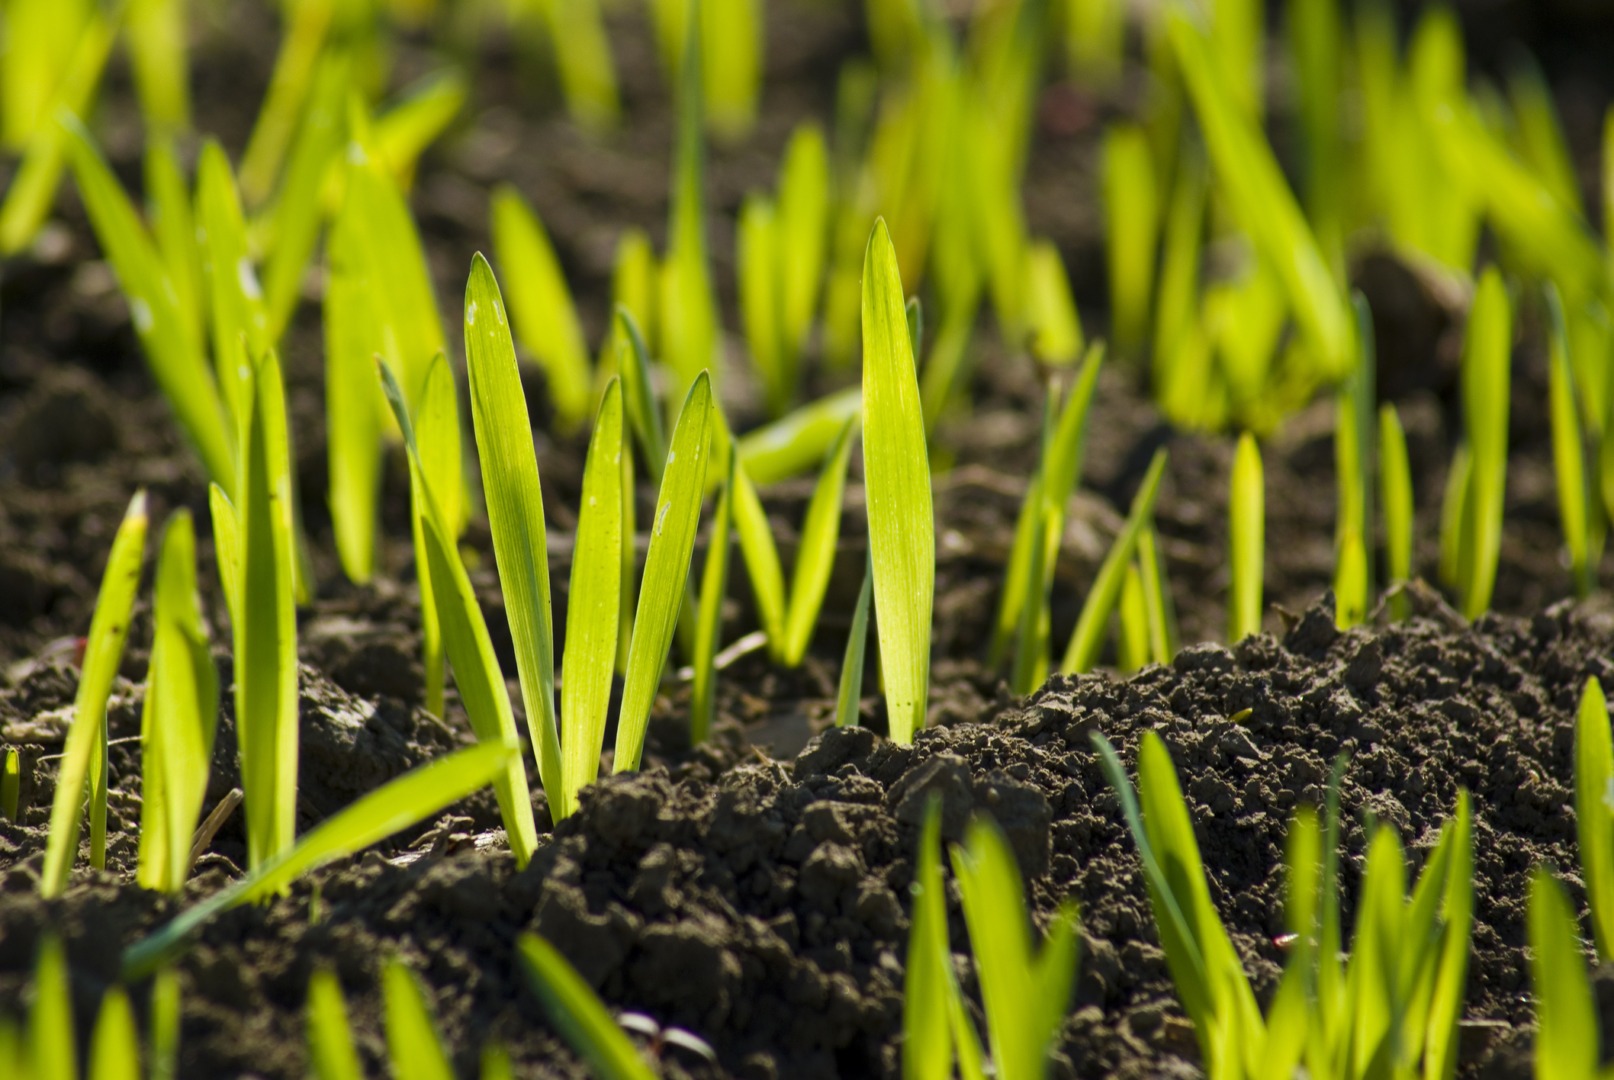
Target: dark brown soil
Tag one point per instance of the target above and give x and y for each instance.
(755, 890)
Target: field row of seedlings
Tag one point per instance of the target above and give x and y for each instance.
(1015, 538)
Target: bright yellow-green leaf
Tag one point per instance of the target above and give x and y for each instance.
(1487, 355)
(1594, 819)
(1566, 1042)
(157, 32)
(84, 760)
(581, 1017)
(594, 603)
(848, 697)
(709, 614)
(235, 301)
(515, 508)
(1568, 449)
(1085, 641)
(404, 131)
(331, 1054)
(413, 1043)
(173, 227)
(815, 555)
(114, 1047)
(666, 570)
(51, 1045)
(1053, 326)
(896, 470)
(1246, 545)
(1132, 209)
(927, 1051)
(289, 84)
(1395, 486)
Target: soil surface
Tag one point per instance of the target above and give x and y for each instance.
(755, 890)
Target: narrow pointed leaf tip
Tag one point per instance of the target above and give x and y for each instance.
(896, 468)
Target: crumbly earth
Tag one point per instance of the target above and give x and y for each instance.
(755, 890)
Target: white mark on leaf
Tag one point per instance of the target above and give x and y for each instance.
(140, 311)
(661, 516)
(470, 314)
(249, 279)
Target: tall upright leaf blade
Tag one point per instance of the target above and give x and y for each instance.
(1594, 818)
(114, 1047)
(1395, 486)
(687, 322)
(1487, 353)
(666, 570)
(266, 620)
(1566, 1017)
(1246, 520)
(803, 233)
(849, 693)
(761, 556)
(515, 507)
(84, 759)
(437, 436)
(1575, 506)
(896, 470)
(709, 614)
(180, 717)
(395, 805)
(595, 602)
(173, 228)
(580, 1015)
(927, 1051)
(466, 641)
(51, 1045)
(235, 300)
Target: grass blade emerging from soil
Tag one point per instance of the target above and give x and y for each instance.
(848, 697)
(1088, 637)
(1566, 1014)
(666, 570)
(580, 1015)
(1594, 819)
(397, 804)
(84, 757)
(1246, 543)
(709, 612)
(331, 1054)
(413, 1043)
(1395, 487)
(815, 556)
(896, 469)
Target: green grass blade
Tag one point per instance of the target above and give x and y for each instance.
(1445, 1009)
(896, 470)
(1053, 326)
(235, 301)
(803, 232)
(709, 613)
(595, 603)
(331, 1054)
(1594, 818)
(1487, 354)
(1157, 598)
(515, 508)
(437, 434)
(164, 1025)
(849, 694)
(815, 557)
(1395, 486)
(399, 803)
(180, 717)
(1568, 449)
(1246, 545)
(761, 557)
(1261, 199)
(542, 306)
(266, 623)
(580, 1015)
(633, 361)
(157, 53)
(1454, 515)
(1088, 637)
(796, 443)
(283, 103)
(51, 1045)
(84, 760)
(687, 314)
(633, 290)
(758, 259)
(173, 227)
(404, 131)
(466, 641)
(666, 571)
(1132, 212)
(10, 783)
(114, 1047)
(33, 186)
(354, 421)
(583, 61)
(927, 1050)
(1350, 583)
(226, 545)
(1132, 623)
(1566, 1042)
(413, 1044)
(176, 363)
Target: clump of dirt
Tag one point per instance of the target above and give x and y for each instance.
(763, 905)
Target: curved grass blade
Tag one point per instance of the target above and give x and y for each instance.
(397, 804)
(1088, 637)
(466, 641)
(180, 716)
(666, 571)
(266, 621)
(709, 614)
(331, 1054)
(595, 604)
(176, 362)
(541, 304)
(515, 508)
(850, 692)
(413, 1044)
(580, 1015)
(114, 1047)
(404, 131)
(1395, 483)
(795, 443)
(896, 470)
(815, 557)
(1246, 540)
(84, 760)
(1594, 819)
